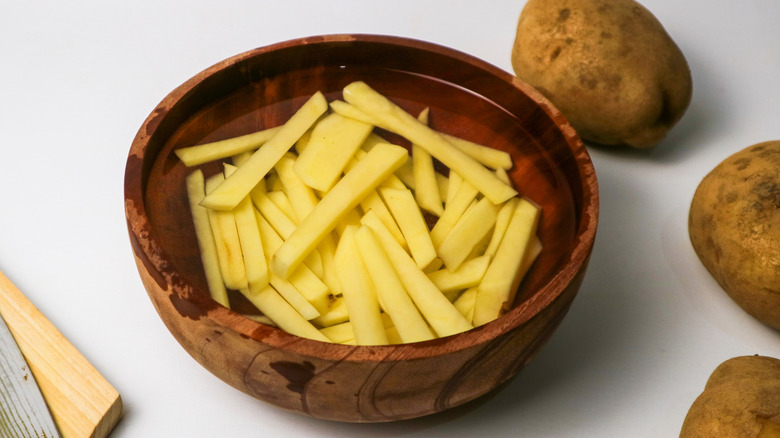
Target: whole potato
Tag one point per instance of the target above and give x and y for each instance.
(741, 399)
(734, 226)
(608, 65)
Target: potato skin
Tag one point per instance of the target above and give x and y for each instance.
(734, 227)
(741, 399)
(608, 65)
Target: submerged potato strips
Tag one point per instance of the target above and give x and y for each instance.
(319, 224)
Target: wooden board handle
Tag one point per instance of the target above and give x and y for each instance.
(80, 399)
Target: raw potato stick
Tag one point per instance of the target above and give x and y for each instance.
(255, 263)
(503, 176)
(282, 201)
(273, 214)
(465, 303)
(473, 226)
(196, 190)
(282, 314)
(374, 202)
(332, 142)
(406, 174)
(194, 155)
(359, 292)
(497, 289)
(301, 196)
(410, 220)
(502, 222)
(492, 158)
(303, 200)
(453, 185)
(343, 197)
(394, 118)
(335, 315)
(426, 187)
(455, 209)
(228, 194)
(327, 251)
(340, 333)
(240, 158)
(395, 300)
(223, 226)
(353, 112)
(284, 226)
(285, 288)
(442, 316)
(293, 297)
(302, 142)
(467, 275)
(404, 124)
(303, 279)
(442, 183)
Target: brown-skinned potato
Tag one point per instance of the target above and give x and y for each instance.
(740, 400)
(608, 65)
(734, 227)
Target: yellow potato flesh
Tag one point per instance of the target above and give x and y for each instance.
(223, 227)
(346, 257)
(303, 279)
(426, 190)
(359, 292)
(410, 220)
(395, 300)
(433, 305)
(288, 319)
(196, 190)
(194, 155)
(497, 288)
(255, 263)
(345, 195)
(402, 123)
(454, 210)
(468, 274)
(472, 228)
(331, 145)
(230, 192)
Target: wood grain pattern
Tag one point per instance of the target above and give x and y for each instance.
(82, 402)
(468, 98)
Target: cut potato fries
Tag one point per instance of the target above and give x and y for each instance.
(496, 290)
(359, 292)
(231, 191)
(331, 145)
(434, 306)
(426, 190)
(255, 264)
(409, 218)
(335, 234)
(345, 195)
(391, 292)
(225, 232)
(399, 121)
(208, 248)
(194, 155)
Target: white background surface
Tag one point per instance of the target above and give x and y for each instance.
(78, 78)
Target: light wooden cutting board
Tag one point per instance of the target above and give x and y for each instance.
(80, 399)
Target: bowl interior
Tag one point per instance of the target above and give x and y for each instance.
(467, 98)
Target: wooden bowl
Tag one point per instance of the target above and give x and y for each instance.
(468, 97)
